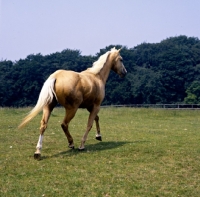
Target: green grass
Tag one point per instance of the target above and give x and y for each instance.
(144, 152)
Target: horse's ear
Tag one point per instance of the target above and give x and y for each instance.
(119, 49)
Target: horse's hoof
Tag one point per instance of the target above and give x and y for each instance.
(37, 156)
(72, 147)
(98, 138)
(81, 149)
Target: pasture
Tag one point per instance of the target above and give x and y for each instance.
(144, 152)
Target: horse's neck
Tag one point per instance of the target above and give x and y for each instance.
(104, 72)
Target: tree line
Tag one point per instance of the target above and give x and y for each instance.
(158, 73)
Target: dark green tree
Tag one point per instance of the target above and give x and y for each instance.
(157, 73)
(193, 93)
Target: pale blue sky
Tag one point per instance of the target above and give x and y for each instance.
(49, 26)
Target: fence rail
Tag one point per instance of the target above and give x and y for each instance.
(165, 106)
(159, 106)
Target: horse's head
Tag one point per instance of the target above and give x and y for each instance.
(118, 66)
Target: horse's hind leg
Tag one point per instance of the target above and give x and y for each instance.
(65, 124)
(43, 125)
(98, 135)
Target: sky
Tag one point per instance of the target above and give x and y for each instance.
(50, 26)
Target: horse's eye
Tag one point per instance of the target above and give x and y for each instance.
(121, 60)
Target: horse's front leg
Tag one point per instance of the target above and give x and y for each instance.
(91, 119)
(98, 135)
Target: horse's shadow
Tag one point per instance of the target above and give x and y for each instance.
(92, 148)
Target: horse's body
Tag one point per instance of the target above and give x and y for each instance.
(76, 90)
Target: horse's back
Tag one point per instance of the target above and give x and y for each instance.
(63, 74)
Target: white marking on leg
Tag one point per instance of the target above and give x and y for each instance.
(98, 135)
(39, 144)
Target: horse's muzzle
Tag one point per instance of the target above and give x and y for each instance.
(123, 73)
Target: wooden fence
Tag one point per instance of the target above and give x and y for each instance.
(165, 106)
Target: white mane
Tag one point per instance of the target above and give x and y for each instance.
(98, 65)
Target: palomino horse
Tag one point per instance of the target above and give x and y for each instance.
(76, 90)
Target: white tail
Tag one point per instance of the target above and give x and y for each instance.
(46, 96)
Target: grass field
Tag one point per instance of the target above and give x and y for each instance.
(144, 152)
